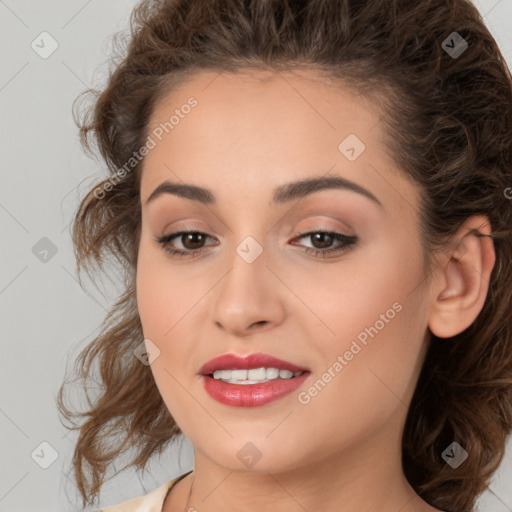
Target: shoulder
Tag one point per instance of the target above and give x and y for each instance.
(150, 502)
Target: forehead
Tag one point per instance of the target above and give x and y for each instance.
(269, 99)
(263, 127)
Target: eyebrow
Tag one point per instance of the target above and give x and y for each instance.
(282, 194)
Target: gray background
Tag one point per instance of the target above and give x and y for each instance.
(45, 316)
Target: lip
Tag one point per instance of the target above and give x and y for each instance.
(235, 362)
(251, 395)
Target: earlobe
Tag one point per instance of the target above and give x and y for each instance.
(460, 289)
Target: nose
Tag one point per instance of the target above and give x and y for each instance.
(249, 298)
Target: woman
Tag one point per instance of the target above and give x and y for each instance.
(311, 205)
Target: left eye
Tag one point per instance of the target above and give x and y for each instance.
(192, 241)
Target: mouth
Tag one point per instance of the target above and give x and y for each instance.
(231, 366)
(253, 375)
(250, 381)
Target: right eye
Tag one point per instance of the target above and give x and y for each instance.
(191, 238)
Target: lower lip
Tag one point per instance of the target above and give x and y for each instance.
(251, 395)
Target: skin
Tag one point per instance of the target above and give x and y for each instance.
(248, 134)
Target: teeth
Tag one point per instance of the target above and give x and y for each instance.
(253, 376)
(272, 373)
(238, 374)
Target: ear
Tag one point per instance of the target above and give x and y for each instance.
(460, 286)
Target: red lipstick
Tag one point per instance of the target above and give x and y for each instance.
(250, 395)
(234, 362)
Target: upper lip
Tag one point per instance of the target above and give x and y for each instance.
(236, 362)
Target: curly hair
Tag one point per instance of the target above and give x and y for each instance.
(448, 125)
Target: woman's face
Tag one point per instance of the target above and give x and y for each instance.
(250, 282)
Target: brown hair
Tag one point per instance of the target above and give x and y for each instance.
(448, 127)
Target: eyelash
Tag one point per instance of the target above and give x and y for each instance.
(348, 242)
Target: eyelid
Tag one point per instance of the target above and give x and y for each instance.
(321, 224)
(184, 225)
(314, 228)
(320, 218)
(348, 242)
(317, 223)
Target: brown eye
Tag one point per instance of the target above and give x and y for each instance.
(322, 241)
(191, 241)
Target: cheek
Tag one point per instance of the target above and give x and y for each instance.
(164, 294)
(168, 302)
(348, 296)
(377, 319)
(162, 303)
(366, 388)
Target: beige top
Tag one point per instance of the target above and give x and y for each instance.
(151, 502)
